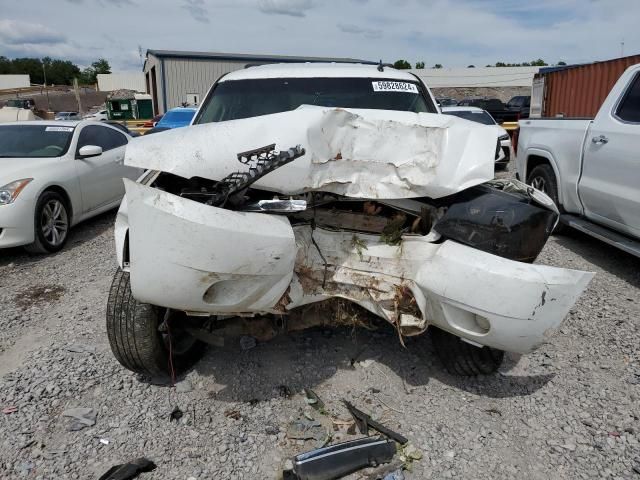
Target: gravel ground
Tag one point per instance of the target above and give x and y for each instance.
(570, 410)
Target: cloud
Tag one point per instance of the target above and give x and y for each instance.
(293, 8)
(196, 10)
(355, 29)
(16, 32)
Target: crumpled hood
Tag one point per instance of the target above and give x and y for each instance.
(355, 153)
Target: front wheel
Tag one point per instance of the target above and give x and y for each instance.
(147, 339)
(462, 358)
(51, 224)
(544, 179)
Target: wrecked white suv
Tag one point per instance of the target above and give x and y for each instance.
(342, 184)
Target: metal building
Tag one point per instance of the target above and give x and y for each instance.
(174, 77)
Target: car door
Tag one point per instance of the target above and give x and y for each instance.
(100, 177)
(609, 188)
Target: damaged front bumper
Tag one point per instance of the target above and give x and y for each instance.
(206, 260)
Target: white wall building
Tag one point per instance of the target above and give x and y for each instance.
(8, 82)
(110, 82)
(477, 77)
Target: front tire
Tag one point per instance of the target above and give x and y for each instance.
(544, 179)
(462, 358)
(51, 224)
(139, 337)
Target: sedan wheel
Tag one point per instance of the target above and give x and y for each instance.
(54, 222)
(51, 224)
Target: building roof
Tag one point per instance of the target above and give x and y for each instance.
(477, 77)
(248, 57)
(310, 70)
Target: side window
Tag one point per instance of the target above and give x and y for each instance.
(629, 108)
(104, 137)
(114, 139)
(89, 136)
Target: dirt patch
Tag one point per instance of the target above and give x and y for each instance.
(42, 294)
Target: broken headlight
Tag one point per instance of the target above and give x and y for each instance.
(510, 225)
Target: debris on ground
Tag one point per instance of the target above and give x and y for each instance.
(337, 460)
(364, 422)
(308, 429)
(80, 348)
(314, 400)
(129, 470)
(235, 414)
(247, 343)
(176, 414)
(9, 410)
(81, 417)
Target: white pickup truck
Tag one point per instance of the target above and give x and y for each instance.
(591, 167)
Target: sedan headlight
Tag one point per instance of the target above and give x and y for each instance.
(10, 191)
(504, 137)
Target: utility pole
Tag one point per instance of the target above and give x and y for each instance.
(44, 73)
(77, 92)
(622, 48)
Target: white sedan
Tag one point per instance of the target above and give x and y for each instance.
(54, 175)
(479, 115)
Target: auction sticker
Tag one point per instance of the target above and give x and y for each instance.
(59, 129)
(387, 86)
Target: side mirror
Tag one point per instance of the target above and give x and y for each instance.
(89, 151)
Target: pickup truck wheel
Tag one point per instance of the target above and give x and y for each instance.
(543, 178)
(145, 338)
(462, 358)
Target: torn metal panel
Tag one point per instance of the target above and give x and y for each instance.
(355, 153)
(208, 260)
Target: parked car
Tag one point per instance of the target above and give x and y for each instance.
(26, 103)
(478, 115)
(54, 175)
(590, 167)
(273, 201)
(494, 106)
(152, 122)
(446, 102)
(521, 105)
(67, 116)
(177, 117)
(100, 116)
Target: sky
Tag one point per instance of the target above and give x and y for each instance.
(454, 33)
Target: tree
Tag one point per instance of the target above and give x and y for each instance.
(101, 66)
(437, 66)
(539, 63)
(419, 65)
(401, 65)
(89, 75)
(471, 66)
(5, 65)
(562, 63)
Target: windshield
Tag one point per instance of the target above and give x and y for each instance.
(178, 116)
(238, 99)
(478, 117)
(29, 141)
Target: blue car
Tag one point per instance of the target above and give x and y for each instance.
(174, 118)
